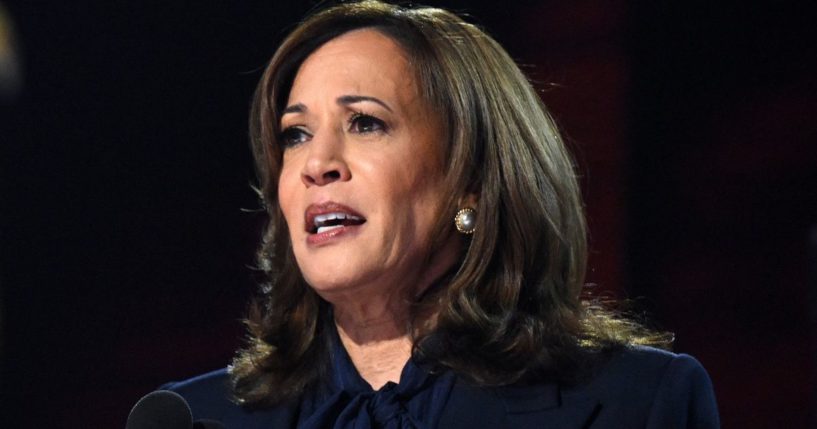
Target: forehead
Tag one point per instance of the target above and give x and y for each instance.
(359, 61)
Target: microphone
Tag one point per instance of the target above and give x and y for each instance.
(164, 409)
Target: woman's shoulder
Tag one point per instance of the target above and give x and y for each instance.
(649, 367)
(664, 388)
(632, 387)
(213, 379)
(209, 396)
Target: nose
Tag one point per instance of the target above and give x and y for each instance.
(325, 162)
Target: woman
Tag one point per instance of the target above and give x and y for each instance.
(426, 249)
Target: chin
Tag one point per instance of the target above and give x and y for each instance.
(335, 293)
(322, 281)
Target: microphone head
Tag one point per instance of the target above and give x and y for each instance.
(161, 409)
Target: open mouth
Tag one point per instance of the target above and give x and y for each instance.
(326, 217)
(329, 221)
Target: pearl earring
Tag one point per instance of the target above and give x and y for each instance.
(466, 220)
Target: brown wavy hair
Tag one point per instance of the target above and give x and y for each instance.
(511, 311)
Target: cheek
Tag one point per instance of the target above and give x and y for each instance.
(418, 199)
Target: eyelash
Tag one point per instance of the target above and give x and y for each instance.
(289, 136)
(294, 135)
(357, 117)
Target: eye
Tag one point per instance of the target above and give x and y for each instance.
(362, 123)
(293, 136)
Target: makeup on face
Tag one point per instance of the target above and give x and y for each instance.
(361, 184)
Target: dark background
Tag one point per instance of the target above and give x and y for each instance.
(124, 169)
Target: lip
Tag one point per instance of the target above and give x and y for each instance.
(324, 208)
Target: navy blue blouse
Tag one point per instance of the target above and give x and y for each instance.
(638, 387)
(349, 402)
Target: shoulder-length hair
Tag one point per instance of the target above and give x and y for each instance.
(512, 308)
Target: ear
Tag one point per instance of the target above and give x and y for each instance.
(468, 200)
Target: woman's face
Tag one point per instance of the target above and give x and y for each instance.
(361, 185)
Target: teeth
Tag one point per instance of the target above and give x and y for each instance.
(327, 228)
(322, 219)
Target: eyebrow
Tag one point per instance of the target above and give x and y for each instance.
(343, 100)
(295, 108)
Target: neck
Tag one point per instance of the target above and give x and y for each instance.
(381, 358)
(376, 337)
(373, 322)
